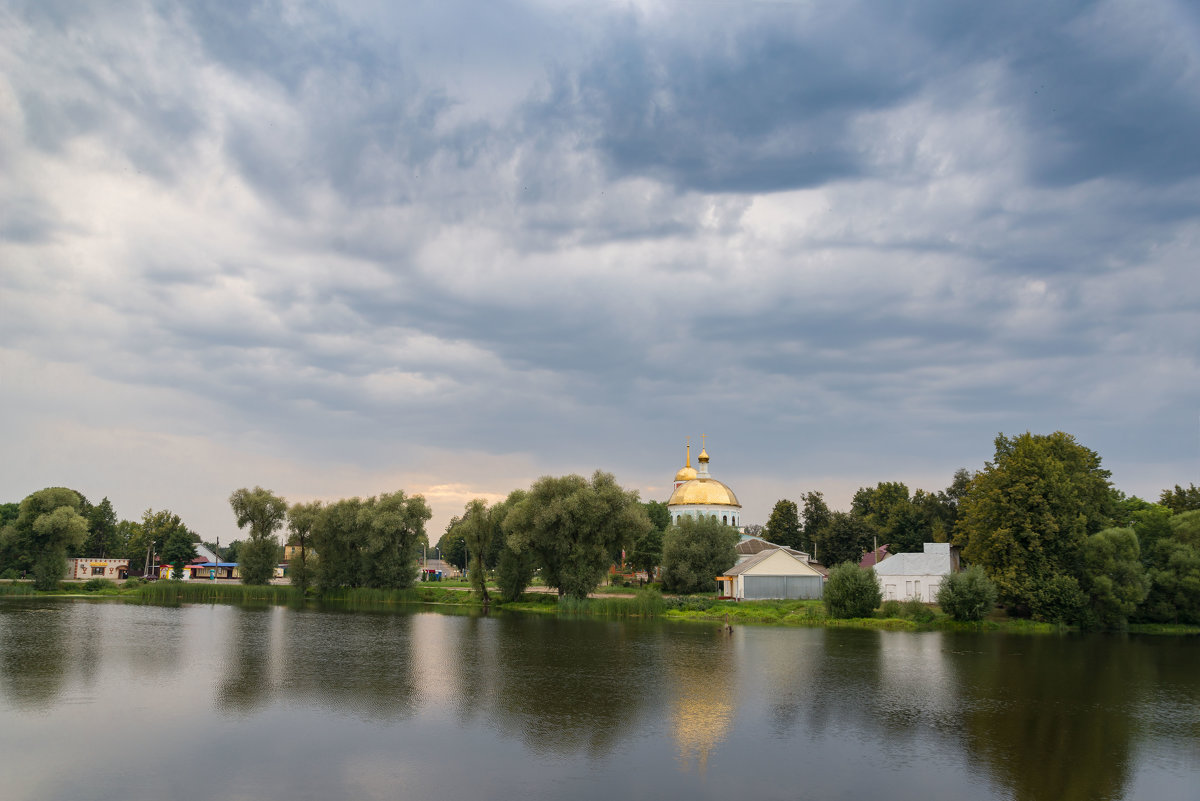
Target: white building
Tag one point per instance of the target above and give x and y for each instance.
(698, 494)
(772, 573)
(916, 575)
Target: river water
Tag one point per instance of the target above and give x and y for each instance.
(107, 700)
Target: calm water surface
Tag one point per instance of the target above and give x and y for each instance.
(104, 700)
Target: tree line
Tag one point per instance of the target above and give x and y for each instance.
(1043, 523)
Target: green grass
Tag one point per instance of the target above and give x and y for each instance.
(213, 592)
(17, 588)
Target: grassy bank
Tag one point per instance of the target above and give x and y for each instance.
(646, 603)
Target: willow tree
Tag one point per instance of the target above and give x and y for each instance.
(477, 531)
(263, 512)
(48, 527)
(573, 526)
(301, 518)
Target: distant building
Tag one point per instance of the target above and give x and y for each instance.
(772, 573)
(906, 576)
(82, 567)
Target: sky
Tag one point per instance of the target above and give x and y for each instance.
(345, 248)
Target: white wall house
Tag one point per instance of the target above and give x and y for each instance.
(916, 575)
(773, 573)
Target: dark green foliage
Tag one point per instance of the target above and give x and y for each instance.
(263, 512)
(852, 591)
(477, 531)
(103, 537)
(372, 543)
(178, 547)
(573, 526)
(891, 609)
(1026, 517)
(816, 516)
(1180, 499)
(97, 584)
(257, 561)
(659, 514)
(1171, 552)
(695, 552)
(968, 596)
(915, 609)
(514, 571)
(453, 545)
(843, 539)
(783, 526)
(1113, 578)
(47, 529)
(301, 518)
(647, 553)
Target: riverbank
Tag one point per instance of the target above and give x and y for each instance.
(645, 603)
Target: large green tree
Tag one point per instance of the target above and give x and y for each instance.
(843, 539)
(893, 516)
(477, 531)
(453, 545)
(103, 538)
(301, 519)
(646, 553)
(695, 552)
(783, 526)
(370, 543)
(1171, 552)
(573, 526)
(47, 529)
(179, 545)
(1180, 499)
(395, 528)
(816, 517)
(1113, 578)
(263, 512)
(1027, 516)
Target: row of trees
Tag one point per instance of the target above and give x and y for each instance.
(353, 542)
(1043, 522)
(572, 530)
(47, 527)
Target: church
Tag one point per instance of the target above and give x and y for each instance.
(698, 494)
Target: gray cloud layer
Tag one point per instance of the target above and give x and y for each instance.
(852, 242)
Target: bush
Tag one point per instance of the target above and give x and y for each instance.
(97, 584)
(133, 582)
(10, 574)
(890, 609)
(967, 596)
(852, 591)
(917, 610)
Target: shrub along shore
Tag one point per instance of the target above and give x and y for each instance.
(645, 603)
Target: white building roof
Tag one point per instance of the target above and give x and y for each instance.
(935, 561)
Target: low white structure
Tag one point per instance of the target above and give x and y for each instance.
(905, 576)
(772, 573)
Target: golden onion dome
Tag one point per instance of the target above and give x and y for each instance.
(703, 457)
(707, 491)
(686, 473)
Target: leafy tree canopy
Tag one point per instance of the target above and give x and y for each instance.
(695, 552)
(1027, 515)
(1180, 499)
(783, 526)
(573, 525)
(852, 591)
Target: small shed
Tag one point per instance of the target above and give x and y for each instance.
(906, 576)
(775, 573)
